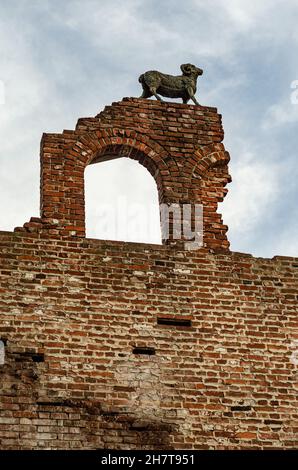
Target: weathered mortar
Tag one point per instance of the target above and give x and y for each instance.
(76, 313)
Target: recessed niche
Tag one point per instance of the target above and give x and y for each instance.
(144, 350)
(174, 322)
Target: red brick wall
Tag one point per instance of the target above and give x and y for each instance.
(74, 310)
(180, 145)
(225, 382)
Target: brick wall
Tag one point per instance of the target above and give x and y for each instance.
(180, 145)
(123, 345)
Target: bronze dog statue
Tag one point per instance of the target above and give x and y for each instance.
(182, 86)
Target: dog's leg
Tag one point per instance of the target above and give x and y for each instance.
(146, 92)
(194, 100)
(153, 91)
(192, 96)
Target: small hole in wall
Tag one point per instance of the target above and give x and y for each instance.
(2, 352)
(139, 428)
(174, 321)
(240, 408)
(53, 403)
(27, 355)
(38, 357)
(144, 350)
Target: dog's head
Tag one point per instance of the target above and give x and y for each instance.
(190, 69)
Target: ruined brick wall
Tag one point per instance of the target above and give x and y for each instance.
(124, 345)
(180, 145)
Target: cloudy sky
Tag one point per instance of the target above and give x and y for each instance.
(63, 60)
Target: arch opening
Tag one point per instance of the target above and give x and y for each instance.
(121, 200)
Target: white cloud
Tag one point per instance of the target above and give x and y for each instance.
(63, 60)
(280, 114)
(254, 190)
(286, 243)
(224, 84)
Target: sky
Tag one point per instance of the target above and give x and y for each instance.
(60, 61)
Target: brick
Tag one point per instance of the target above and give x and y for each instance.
(246, 435)
(74, 309)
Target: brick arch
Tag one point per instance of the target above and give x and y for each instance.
(208, 161)
(209, 177)
(116, 143)
(207, 157)
(63, 203)
(180, 145)
(88, 145)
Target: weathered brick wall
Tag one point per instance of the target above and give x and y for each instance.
(180, 145)
(72, 312)
(93, 356)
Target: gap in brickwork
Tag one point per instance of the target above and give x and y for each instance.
(240, 408)
(174, 322)
(52, 403)
(121, 202)
(144, 350)
(2, 352)
(35, 357)
(38, 357)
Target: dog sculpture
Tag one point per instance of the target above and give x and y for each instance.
(182, 86)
